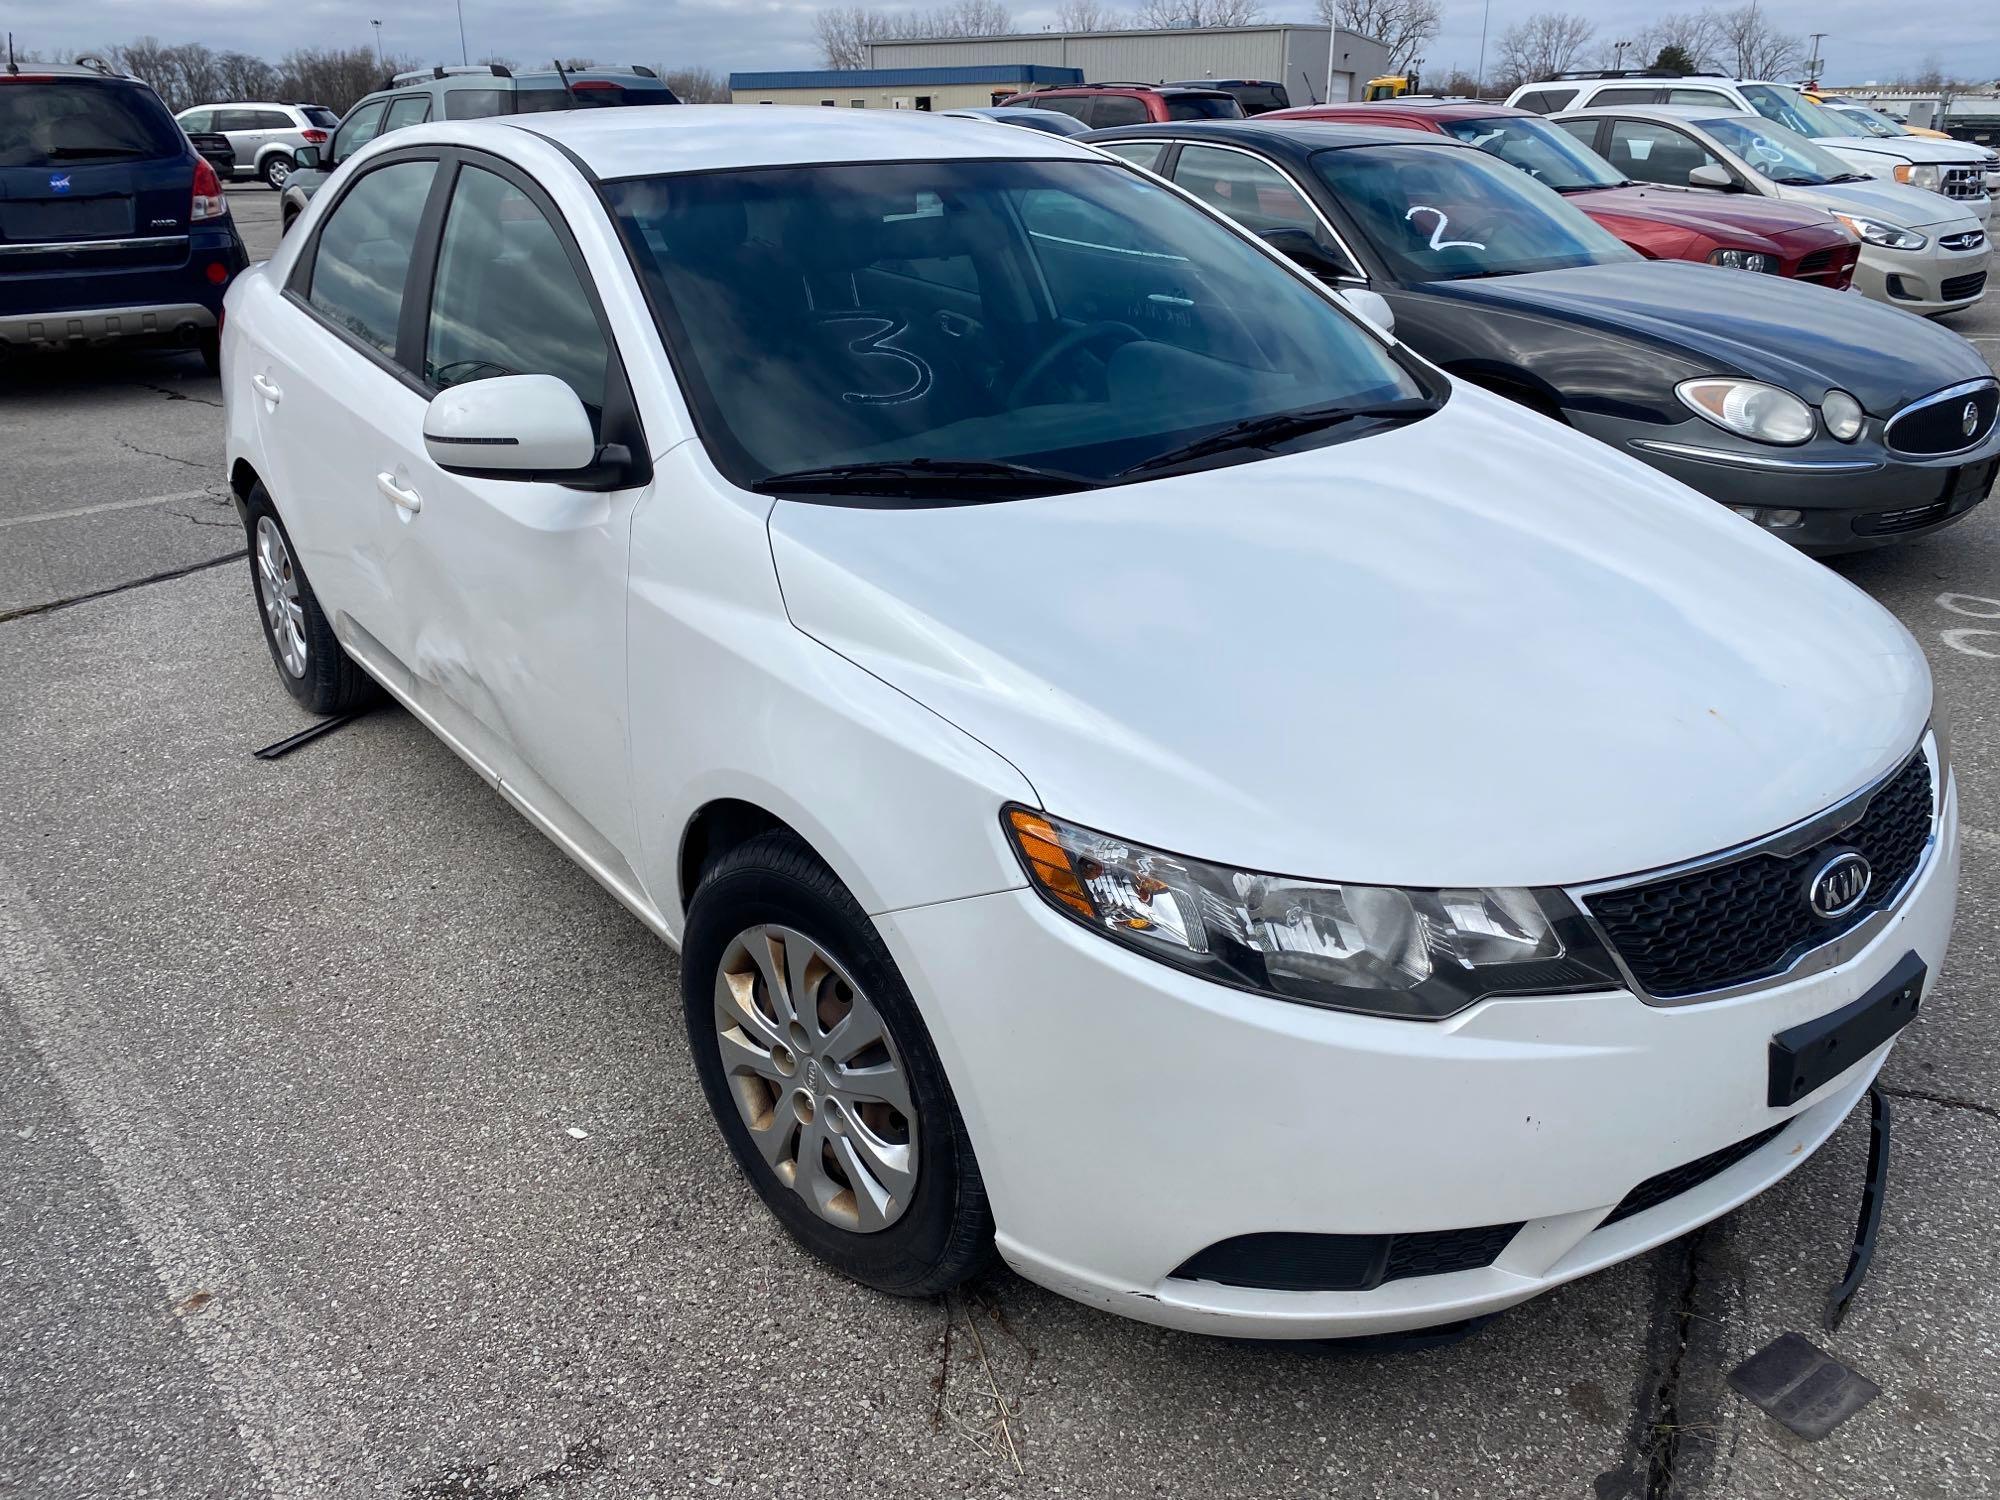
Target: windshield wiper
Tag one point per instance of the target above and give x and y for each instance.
(1851, 177)
(1261, 432)
(1811, 181)
(924, 476)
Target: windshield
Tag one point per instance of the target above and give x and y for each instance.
(1871, 121)
(1436, 213)
(77, 120)
(1066, 316)
(1773, 152)
(1545, 152)
(1795, 111)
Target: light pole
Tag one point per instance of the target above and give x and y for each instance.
(380, 60)
(1485, 15)
(1618, 56)
(463, 55)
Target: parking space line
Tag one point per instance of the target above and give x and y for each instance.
(94, 510)
(246, 1335)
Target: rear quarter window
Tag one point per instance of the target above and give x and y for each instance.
(1203, 107)
(81, 120)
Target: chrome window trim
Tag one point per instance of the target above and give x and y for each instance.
(1706, 455)
(44, 247)
(1783, 844)
(1938, 398)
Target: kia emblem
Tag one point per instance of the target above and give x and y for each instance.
(1840, 885)
(1968, 420)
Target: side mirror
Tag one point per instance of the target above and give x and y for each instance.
(1712, 175)
(1308, 252)
(529, 427)
(1371, 306)
(306, 157)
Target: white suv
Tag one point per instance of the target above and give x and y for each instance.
(266, 136)
(1955, 169)
(1142, 770)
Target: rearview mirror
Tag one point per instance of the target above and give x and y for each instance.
(1370, 306)
(529, 427)
(1307, 251)
(306, 158)
(1711, 175)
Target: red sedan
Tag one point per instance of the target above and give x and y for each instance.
(1663, 223)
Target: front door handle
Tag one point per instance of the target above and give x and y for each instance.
(266, 388)
(395, 494)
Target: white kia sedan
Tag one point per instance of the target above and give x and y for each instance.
(1142, 771)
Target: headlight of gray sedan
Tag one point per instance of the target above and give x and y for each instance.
(1378, 950)
(1749, 408)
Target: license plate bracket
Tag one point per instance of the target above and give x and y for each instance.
(1807, 1056)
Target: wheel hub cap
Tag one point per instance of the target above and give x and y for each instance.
(816, 1078)
(278, 594)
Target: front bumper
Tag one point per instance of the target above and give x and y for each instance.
(1926, 281)
(1127, 1115)
(1850, 496)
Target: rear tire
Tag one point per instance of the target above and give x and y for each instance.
(310, 660)
(814, 1101)
(276, 168)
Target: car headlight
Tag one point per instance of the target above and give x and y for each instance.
(1378, 950)
(1743, 260)
(1881, 232)
(1842, 415)
(1749, 408)
(1919, 174)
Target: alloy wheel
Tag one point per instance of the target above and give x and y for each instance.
(816, 1078)
(278, 593)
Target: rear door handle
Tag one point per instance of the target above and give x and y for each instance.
(267, 389)
(395, 494)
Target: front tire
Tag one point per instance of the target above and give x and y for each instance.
(276, 169)
(310, 661)
(822, 1075)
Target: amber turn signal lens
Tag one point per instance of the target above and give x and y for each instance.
(1046, 861)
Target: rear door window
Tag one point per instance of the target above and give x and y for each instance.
(1116, 109)
(1545, 101)
(410, 109)
(1612, 98)
(271, 119)
(1063, 104)
(363, 256)
(474, 104)
(77, 121)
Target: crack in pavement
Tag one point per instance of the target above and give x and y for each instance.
(172, 395)
(225, 525)
(173, 458)
(1944, 1101)
(119, 588)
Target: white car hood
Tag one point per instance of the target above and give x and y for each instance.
(1893, 202)
(1908, 148)
(1480, 649)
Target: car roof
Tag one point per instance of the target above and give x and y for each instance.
(1292, 139)
(710, 137)
(69, 72)
(1666, 113)
(1130, 88)
(1437, 109)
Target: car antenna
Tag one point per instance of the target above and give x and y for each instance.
(12, 66)
(1306, 79)
(568, 92)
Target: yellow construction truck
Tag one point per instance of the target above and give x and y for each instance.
(1390, 86)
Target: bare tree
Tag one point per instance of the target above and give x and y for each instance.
(1403, 26)
(241, 76)
(1540, 47)
(1693, 35)
(1089, 15)
(695, 85)
(844, 33)
(1161, 14)
(1753, 48)
(334, 76)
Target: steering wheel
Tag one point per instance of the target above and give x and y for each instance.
(1064, 347)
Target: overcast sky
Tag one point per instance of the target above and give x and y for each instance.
(1867, 38)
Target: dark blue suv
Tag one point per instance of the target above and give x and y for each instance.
(113, 229)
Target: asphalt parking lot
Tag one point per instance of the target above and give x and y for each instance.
(350, 1145)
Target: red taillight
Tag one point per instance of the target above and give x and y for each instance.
(217, 273)
(313, 137)
(208, 201)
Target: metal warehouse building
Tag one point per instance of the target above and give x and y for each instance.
(905, 87)
(1295, 56)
